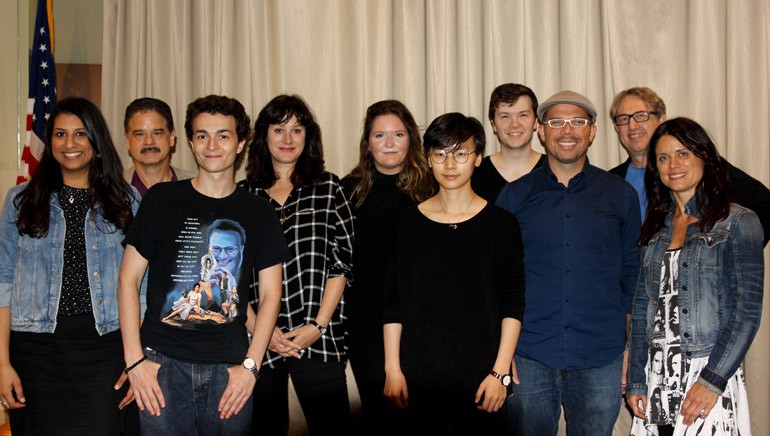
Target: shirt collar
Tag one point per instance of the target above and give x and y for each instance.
(575, 182)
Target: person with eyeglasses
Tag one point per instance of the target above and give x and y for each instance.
(636, 113)
(455, 295)
(579, 226)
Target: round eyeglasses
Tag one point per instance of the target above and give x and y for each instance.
(231, 250)
(639, 117)
(558, 123)
(460, 156)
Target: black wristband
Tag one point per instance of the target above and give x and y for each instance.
(135, 364)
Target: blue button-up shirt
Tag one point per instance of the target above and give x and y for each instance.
(581, 259)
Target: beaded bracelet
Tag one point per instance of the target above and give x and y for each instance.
(135, 364)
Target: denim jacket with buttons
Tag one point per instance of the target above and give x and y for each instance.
(721, 280)
(31, 268)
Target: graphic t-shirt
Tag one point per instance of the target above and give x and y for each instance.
(195, 246)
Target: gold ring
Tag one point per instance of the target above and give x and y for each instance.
(702, 411)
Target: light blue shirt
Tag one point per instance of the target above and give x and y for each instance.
(635, 176)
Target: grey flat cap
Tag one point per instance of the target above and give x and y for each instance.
(567, 97)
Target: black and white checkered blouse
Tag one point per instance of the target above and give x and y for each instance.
(318, 225)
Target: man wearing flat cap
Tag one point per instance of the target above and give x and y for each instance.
(579, 225)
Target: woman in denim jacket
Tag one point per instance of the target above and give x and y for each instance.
(699, 296)
(60, 253)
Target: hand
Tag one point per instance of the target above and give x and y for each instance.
(395, 389)
(279, 344)
(637, 409)
(699, 398)
(144, 383)
(10, 383)
(624, 375)
(304, 336)
(240, 386)
(129, 398)
(493, 394)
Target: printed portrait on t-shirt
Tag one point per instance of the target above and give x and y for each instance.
(205, 290)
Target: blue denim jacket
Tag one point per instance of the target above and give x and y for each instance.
(31, 268)
(721, 275)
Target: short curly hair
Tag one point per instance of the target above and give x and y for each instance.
(219, 104)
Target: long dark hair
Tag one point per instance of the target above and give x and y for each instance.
(414, 178)
(310, 164)
(711, 197)
(105, 176)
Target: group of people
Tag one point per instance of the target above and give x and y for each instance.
(479, 295)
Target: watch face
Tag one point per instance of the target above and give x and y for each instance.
(249, 363)
(506, 380)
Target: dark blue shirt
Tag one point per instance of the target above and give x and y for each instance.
(581, 262)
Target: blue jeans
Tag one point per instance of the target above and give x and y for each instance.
(192, 392)
(591, 399)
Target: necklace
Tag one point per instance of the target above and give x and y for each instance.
(282, 219)
(69, 192)
(453, 225)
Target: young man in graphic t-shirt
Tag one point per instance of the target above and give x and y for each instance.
(209, 368)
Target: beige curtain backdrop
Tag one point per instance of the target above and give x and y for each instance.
(708, 59)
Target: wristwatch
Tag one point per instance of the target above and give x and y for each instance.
(320, 328)
(251, 365)
(504, 379)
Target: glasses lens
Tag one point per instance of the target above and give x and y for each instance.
(556, 123)
(640, 117)
(438, 156)
(461, 156)
(622, 120)
(578, 122)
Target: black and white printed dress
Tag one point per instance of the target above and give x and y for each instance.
(670, 374)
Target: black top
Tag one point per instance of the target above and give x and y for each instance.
(318, 227)
(75, 290)
(177, 229)
(374, 230)
(450, 289)
(488, 182)
(744, 190)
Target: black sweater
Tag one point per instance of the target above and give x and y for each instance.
(450, 290)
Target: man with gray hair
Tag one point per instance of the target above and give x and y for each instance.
(636, 113)
(579, 226)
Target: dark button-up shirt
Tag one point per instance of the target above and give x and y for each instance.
(581, 259)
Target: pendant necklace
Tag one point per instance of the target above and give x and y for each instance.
(453, 225)
(67, 191)
(282, 219)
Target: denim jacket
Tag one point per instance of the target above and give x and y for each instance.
(721, 275)
(31, 268)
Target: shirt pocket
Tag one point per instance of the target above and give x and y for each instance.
(710, 250)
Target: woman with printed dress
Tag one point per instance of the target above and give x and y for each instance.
(702, 280)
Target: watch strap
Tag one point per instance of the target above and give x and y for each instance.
(500, 377)
(320, 328)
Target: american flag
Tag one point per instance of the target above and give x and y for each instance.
(42, 90)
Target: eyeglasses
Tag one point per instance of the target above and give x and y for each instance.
(558, 123)
(231, 250)
(460, 156)
(639, 117)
